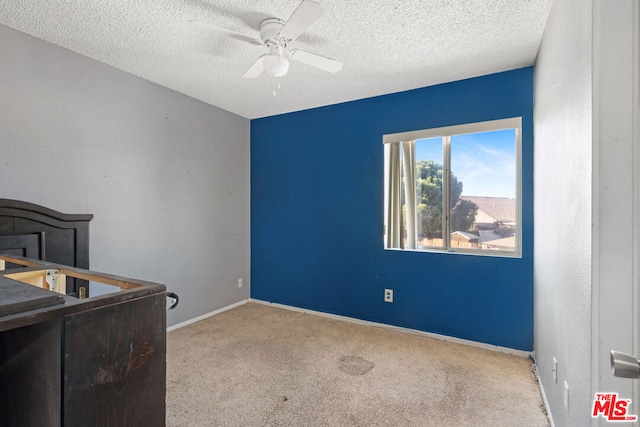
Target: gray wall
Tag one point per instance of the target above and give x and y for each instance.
(166, 176)
(562, 209)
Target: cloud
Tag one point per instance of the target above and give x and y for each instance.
(490, 151)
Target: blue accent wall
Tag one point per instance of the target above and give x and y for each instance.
(317, 216)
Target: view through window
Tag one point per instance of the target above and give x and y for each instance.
(454, 189)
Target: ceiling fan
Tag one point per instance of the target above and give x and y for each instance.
(276, 34)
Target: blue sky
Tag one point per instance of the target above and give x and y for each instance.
(484, 162)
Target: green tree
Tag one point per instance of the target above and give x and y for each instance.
(463, 215)
(429, 202)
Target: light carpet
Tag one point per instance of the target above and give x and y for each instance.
(257, 365)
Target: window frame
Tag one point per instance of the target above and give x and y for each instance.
(446, 133)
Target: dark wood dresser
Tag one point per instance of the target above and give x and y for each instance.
(67, 361)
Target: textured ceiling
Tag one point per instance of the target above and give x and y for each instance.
(386, 45)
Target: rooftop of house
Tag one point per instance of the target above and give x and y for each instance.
(504, 243)
(502, 209)
(466, 235)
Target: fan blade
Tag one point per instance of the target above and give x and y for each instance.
(322, 62)
(306, 14)
(238, 36)
(256, 69)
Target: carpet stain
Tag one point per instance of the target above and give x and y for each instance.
(354, 365)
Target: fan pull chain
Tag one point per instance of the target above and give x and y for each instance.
(276, 87)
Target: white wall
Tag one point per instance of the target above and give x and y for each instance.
(586, 191)
(166, 176)
(562, 209)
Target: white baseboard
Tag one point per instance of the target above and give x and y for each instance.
(204, 316)
(496, 348)
(545, 402)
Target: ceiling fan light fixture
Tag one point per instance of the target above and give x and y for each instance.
(276, 65)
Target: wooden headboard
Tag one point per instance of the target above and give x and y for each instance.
(34, 231)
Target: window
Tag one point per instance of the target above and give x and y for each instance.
(454, 189)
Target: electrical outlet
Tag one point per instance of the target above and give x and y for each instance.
(555, 370)
(240, 282)
(566, 396)
(388, 295)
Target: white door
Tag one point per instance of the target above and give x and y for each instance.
(616, 207)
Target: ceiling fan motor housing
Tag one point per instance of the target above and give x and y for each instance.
(269, 30)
